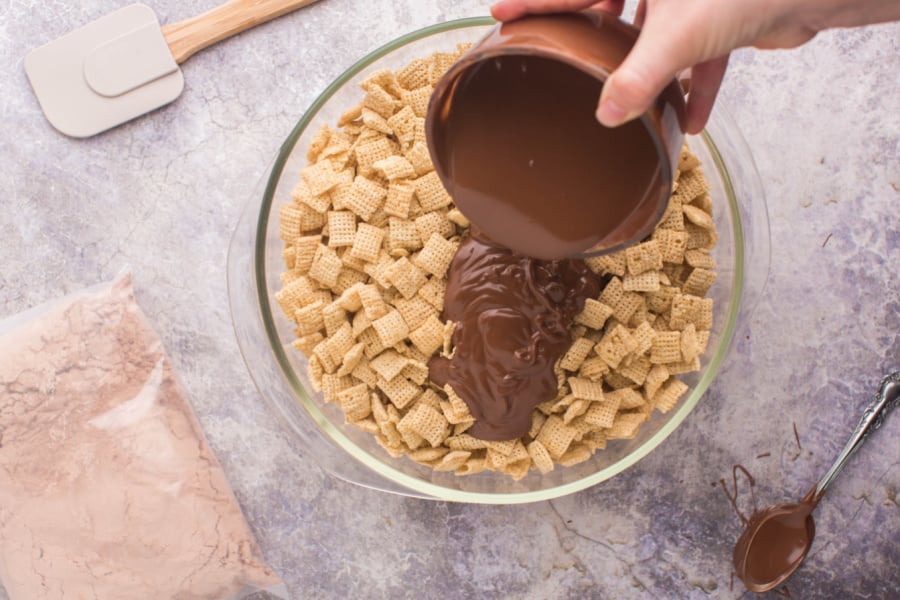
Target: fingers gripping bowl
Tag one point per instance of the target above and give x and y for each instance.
(318, 430)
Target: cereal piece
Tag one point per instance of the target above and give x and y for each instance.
(400, 391)
(351, 360)
(465, 442)
(326, 266)
(436, 255)
(626, 398)
(406, 277)
(289, 219)
(415, 311)
(350, 115)
(307, 343)
(365, 197)
(419, 157)
(594, 315)
(660, 301)
(318, 143)
(691, 184)
(575, 409)
(295, 295)
(452, 460)
(395, 167)
(690, 344)
(373, 120)
(434, 222)
(540, 457)
(402, 124)
(414, 75)
(691, 309)
(666, 348)
(391, 328)
(349, 298)
(372, 302)
(332, 385)
(593, 368)
(667, 397)
(700, 259)
(337, 344)
(403, 234)
(644, 257)
(623, 303)
(699, 282)
(364, 373)
(643, 334)
(309, 319)
(319, 177)
(615, 345)
(433, 292)
(367, 242)
(430, 192)
(399, 197)
(427, 422)
(379, 100)
(417, 99)
(608, 264)
(439, 64)
(383, 78)
(636, 370)
(655, 378)
(672, 244)
(602, 414)
(576, 354)
(682, 367)
(355, 403)
(673, 218)
(388, 364)
(648, 281)
(302, 195)
(377, 269)
(556, 436)
(699, 237)
(304, 252)
(585, 389)
(625, 426)
(341, 228)
(416, 371)
(575, 455)
(370, 151)
(429, 337)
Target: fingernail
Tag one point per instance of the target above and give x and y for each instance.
(610, 113)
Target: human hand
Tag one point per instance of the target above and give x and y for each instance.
(700, 34)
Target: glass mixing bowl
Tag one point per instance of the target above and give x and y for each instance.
(317, 430)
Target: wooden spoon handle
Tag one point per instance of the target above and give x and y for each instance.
(192, 35)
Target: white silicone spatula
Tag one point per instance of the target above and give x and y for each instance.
(124, 64)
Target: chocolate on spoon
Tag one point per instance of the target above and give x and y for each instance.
(777, 539)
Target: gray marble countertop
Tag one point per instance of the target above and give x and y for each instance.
(163, 194)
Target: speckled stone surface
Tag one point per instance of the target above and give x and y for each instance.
(163, 194)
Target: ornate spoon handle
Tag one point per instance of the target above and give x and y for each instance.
(885, 400)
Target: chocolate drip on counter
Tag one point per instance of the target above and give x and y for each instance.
(512, 316)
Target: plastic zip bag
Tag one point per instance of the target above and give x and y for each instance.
(108, 488)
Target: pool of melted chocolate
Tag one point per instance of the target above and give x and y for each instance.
(512, 315)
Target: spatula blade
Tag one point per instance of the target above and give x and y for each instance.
(57, 75)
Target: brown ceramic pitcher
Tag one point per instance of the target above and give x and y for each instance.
(589, 44)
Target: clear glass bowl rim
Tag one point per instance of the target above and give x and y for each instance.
(417, 486)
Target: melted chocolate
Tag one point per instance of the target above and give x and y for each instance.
(527, 161)
(512, 316)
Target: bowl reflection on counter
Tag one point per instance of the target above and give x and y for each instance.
(317, 430)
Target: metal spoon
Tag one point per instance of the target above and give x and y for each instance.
(778, 538)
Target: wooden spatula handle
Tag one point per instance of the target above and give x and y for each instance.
(192, 35)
